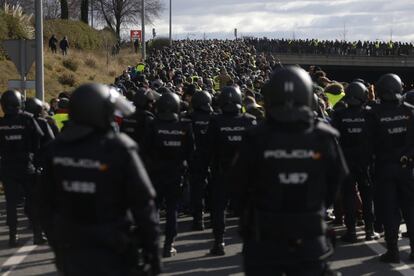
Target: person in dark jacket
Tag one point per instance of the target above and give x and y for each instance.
(20, 141)
(94, 186)
(64, 46)
(287, 173)
(53, 44)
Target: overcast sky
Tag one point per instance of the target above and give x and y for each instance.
(322, 19)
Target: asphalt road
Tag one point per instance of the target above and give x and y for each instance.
(356, 259)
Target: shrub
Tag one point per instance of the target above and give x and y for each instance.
(70, 64)
(80, 35)
(67, 79)
(92, 78)
(159, 43)
(112, 73)
(90, 62)
(48, 66)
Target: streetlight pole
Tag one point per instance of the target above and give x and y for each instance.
(40, 73)
(170, 22)
(144, 50)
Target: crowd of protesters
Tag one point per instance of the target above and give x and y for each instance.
(333, 47)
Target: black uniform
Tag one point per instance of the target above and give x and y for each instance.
(287, 174)
(391, 128)
(20, 137)
(136, 125)
(352, 123)
(200, 123)
(93, 182)
(225, 135)
(285, 178)
(169, 144)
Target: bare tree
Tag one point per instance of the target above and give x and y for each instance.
(116, 13)
(51, 9)
(64, 9)
(84, 11)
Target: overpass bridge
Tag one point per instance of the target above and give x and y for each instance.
(351, 60)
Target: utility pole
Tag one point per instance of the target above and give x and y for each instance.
(144, 50)
(170, 22)
(40, 73)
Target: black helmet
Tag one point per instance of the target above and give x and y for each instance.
(63, 103)
(409, 97)
(11, 102)
(389, 87)
(201, 100)
(34, 106)
(230, 99)
(356, 94)
(288, 95)
(143, 98)
(168, 106)
(94, 105)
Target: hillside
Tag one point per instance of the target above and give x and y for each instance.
(64, 73)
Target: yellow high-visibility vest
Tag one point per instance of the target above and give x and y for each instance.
(334, 99)
(60, 118)
(140, 67)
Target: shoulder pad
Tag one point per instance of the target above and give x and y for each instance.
(249, 116)
(185, 119)
(125, 141)
(410, 106)
(325, 128)
(27, 114)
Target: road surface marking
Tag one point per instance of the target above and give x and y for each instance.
(11, 263)
(402, 268)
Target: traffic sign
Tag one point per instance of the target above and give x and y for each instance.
(19, 84)
(22, 52)
(136, 34)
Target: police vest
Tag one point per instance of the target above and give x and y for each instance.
(60, 118)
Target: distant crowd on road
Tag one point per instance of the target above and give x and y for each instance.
(332, 47)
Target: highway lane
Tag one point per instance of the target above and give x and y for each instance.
(351, 259)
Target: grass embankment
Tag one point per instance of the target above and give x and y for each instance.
(87, 61)
(80, 66)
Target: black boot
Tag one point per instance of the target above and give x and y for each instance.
(349, 237)
(218, 247)
(39, 239)
(392, 255)
(13, 238)
(169, 250)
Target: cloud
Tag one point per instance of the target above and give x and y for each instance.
(322, 19)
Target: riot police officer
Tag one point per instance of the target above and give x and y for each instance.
(136, 124)
(391, 128)
(225, 135)
(93, 183)
(287, 173)
(35, 107)
(19, 143)
(351, 122)
(200, 118)
(169, 147)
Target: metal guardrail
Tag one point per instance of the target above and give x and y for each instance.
(351, 60)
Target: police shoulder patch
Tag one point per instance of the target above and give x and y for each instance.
(323, 127)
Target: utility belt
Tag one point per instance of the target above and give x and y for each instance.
(268, 226)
